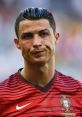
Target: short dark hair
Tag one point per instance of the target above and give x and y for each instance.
(35, 14)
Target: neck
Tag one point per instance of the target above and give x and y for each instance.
(40, 75)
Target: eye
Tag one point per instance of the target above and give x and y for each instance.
(43, 34)
(27, 36)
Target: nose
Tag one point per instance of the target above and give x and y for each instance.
(37, 42)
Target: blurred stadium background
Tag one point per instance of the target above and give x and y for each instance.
(68, 15)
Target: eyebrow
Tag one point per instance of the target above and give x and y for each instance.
(31, 32)
(45, 30)
(34, 31)
(26, 33)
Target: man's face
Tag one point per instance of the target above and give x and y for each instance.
(36, 41)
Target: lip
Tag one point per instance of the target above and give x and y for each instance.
(39, 52)
(35, 52)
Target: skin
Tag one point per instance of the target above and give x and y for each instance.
(37, 41)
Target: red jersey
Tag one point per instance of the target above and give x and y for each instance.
(62, 97)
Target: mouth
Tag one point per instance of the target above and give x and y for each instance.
(38, 53)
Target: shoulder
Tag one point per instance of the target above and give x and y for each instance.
(68, 83)
(12, 78)
(7, 85)
(14, 87)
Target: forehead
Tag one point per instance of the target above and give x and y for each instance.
(34, 25)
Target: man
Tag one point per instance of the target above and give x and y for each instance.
(38, 90)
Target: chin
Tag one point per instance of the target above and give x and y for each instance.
(38, 62)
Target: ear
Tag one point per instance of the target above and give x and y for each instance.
(17, 43)
(57, 37)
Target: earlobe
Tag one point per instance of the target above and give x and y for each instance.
(16, 41)
(57, 37)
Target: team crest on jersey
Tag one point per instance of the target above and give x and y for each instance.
(67, 106)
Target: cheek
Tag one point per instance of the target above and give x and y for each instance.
(50, 44)
(25, 49)
(25, 53)
(26, 46)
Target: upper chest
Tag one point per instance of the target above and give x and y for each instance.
(32, 100)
